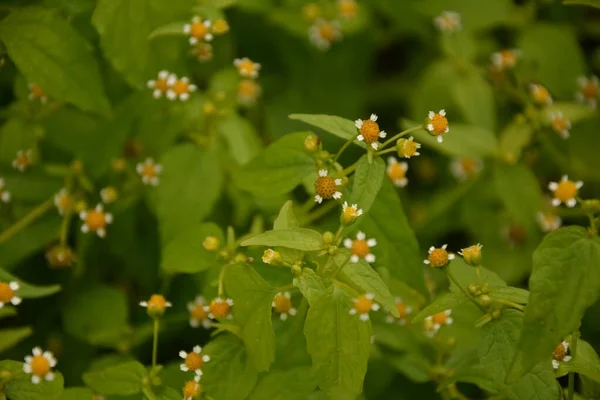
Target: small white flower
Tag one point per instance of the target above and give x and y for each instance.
(323, 33)
(369, 131)
(326, 187)
(403, 311)
(463, 168)
(439, 257)
(396, 172)
(149, 171)
(23, 160)
(220, 308)
(160, 85)
(589, 92)
(4, 194)
(363, 305)
(565, 191)
(198, 30)
(199, 313)
(282, 304)
(193, 361)
(350, 213)
(560, 124)
(435, 322)
(247, 68)
(548, 222)
(438, 124)
(40, 365)
(560, 354)
(95, 220)
(448, 22)
(360, 248)
(179, 88)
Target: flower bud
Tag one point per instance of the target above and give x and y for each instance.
(496, 314)
(296, 269)
(591, 206)
(328, 237)
(485, 288)
(324, 155)
(119, 164)
(474, 289)
(485, 300)
(60, 256)
(332, 250)
(272, 257)
(240, 258)
(350, 213)
(472, 255)
(156, 305)
(211, 243)
(312, 143)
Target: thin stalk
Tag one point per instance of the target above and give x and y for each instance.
(26, 220)
(478, 272)
(349, 170)
(155, 342)
(462, 289)
(390, 150)
(574, 338)
(221, 289)
(399, 135)
(344, 147)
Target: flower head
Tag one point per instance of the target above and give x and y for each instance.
(565, 191)
(448, 22)
(95, 220)
(220, 308)
(548, 222)
(193, 361)
(312, 143)
(505, 59)
(360, 248)
(350, 213)
(198, 30)
(324, 33)
(363, 305)
(437, 124)
(8, 293)
(4, 194)
(439, 257)
(396, 172)
(109, 194)
(560, 124)
(472, 254)
(149, 171)
(156, 305)
(40, 365)
(589, 90)
(403, 310)
(282, 304)
(436, 321)
(179, 88)
(199, 313)
(202, 51)
(63, 201)
(326, 187)
(408, 148)
(369, 131)
(60, 256)
(463, 168)
(247, 68)
(23, 160)
(160, 85)
(211, 243)
(36, 93)
(220, 27)
(272, 257)
(248, 92)
(347, 9)
(191, 390)
(560, 354)
(540, 95)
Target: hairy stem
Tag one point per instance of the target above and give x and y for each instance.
(344, 147)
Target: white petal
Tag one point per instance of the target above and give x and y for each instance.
(101, 232)
(373, 117)
(323, 172)
(555, 364)
(382, 134)
(15, 301)
(578, 184)
(430, 127)
(14, 285)
(567, 358)
(318, 199)
(143, 304)
(571, 202)
(364, 317)
(37, 351)
(337, 195)
(292, 311)
(374, 145)
(27, 368)
(182, 354)
(184, 368)
(352, 311)
(354, 258)
(194, 323)
(431, 115)
(348, 243)
(35, 379)
(442, 113)
(425, 261)
(360, 138)
(370, 258)
(440, 139)
(375, 307)
(50, 376)
(360, 235)
(372, 242)
(197, 349)
(108, 218)
(451, 256)
(358, 123)
(283, 316)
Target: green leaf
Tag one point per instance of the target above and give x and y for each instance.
(253, 300)
(36, 37)
(564, 282)
(446, 301)
(294, 384)
(171, 29)
(278, 169)
(186, 254)
(574, 112)
(190, 186)
(466, 275)
(76, 393)
(368, 179)
(518, 189)
(286, 218)
(462, 140)
(415, 366)
(517, 295)
(397, 247)
(27, 291)
(20, 386)
(294, 238)
(123, 379)
(229, 374)
(310, 285)
(474, 16)
(7, 311)
(10, 337)
(514, 138)
(539, 44)
(339, 344)
(16, 134)
(338, 126)
(364, 276)
(242, 139)
(475, 98)
(96, 314)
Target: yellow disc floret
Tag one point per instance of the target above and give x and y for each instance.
(439, 257)
(282, 303)
(363, 304)
(191, 390)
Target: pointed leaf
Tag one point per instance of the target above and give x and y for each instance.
(310, 285)
(12, 336)
(123, 379)
(186, 253)
(338, 126)
(368, 179)
(365, 277)
(446, 301)
(294, 238)
(27, 291)
(20, 386)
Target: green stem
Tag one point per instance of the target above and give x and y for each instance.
(338, 235)
(349, 170)
(155, 342)
(593, 226)
(510, 304)
(478, 273)
(574, 338)
(462, 289)
(390, 150)
(399, 135)
(319, 212)
(221, 290)
(26, 220)
(344, 147)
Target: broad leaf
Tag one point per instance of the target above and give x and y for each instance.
(253, 298)
(20, 386)
(514, 138)
(286, 218)
(446, 301)
(77, 393)
(368, 179)
(123, 379)
(517, 295)
(294, 384)
(564, 282)
(474, 95)
(11, 336)
(586, 362)
(338, 126)
(242, 139)
(294, 238)
(186, 253)
(27, 291)
(310, 285)
(339, 344)
(278, 169)
(36, 37)
(414, 366)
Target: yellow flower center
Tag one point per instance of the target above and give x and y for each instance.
(396, 172)
(363, 304)
(247, 66)
(360, 248)
(370, 131)
(566, 190)
(181, 87)
(282, 304)
(469, 166)
(220, 309)
(325, 187)
(559, 352)
(590, 90)
(191, 389)
(350, 213)
(560, 123)
(540, 94)
(193, 361)
(248, 88)
(65, 201)
(509, 58)
(402, 310)
(327, 31)
(348, 8)
(220, 26)
(210, 243)
(439, 123)
(6, 293)
(37, 91)
(438, 258)
(162, 85)
(198, 30)
(440, 318)
(95, 220)
(198, 313)
(40, 365)
(409, 148)
(149, 171)
(157, 302)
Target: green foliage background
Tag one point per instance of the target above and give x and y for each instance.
(233, 172)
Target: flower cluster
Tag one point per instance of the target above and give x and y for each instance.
(249, 90)
(149, 171)
(169, 85)
(200, 32)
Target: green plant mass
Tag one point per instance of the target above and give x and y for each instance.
(299, 199)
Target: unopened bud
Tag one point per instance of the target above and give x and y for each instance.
(496, 314)
(324, 155)
(474, 289)
(240, 258)
(272, 257)
(328, 237)
(312, 143)
(60, 256)
(472, 255)
(485, 288)
(485, 300)
(296, 269)
(211, 243)
(332, 250)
